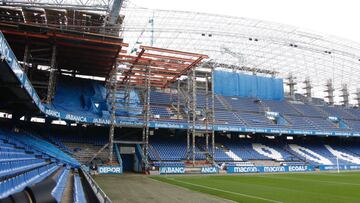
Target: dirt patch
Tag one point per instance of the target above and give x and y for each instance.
(140, 188)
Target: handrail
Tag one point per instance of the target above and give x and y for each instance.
(117, 151)
(141, 153)
(100, 194)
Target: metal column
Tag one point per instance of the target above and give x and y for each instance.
(146, 129)
(193, 114)
(113, 89)
(52, 77)
(207, 114)
(26, 59)
(188, 130)
(212, 115)
(178, 99)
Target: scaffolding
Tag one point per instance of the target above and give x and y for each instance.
(308, 88)
(330, 91)
(133, 79)
(291, 83)
(345, 95)
(357, 97)
(199, 107)
(101, 17)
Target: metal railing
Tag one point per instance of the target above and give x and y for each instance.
(99, 193)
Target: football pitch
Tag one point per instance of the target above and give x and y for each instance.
(294, 187)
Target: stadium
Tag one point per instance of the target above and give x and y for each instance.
(102, 101)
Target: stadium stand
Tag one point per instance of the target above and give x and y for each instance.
(243, 151)
(88, 98)
(28, 160)
(170, 150)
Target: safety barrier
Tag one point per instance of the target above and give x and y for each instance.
(99, 193)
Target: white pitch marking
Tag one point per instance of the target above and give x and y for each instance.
(306, 180)
(226, 191)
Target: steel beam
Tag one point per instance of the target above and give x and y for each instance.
(52, 77)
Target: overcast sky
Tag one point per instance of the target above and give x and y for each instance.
(333, 17)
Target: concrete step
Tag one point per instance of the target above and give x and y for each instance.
(68, 192)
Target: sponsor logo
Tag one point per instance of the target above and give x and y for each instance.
(109, 170)
(172, 170)
(298, 168)
(341, 167)
(272, 169)
(75, 118)
(275, 114)
(52, 113)
(209, 170)
(268, 169)
(101, 121)
(245, 169)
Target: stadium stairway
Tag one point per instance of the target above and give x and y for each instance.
(153, 153)
(223, 102)
(78, 192)
(69, 187)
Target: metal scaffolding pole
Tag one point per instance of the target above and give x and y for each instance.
(178, 99)
(198, 88)
(193, 114)
(113, 88)
(207, 114)
(345, 95)
(187, 100)
(26, 59)
(52, 77)
(291, 83)
(330, 91)
(308, 88)
(146, 129)
(357, 97)
(212, 115)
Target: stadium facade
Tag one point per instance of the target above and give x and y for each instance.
(98, 88)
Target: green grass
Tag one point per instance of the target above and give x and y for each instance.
(294, 187)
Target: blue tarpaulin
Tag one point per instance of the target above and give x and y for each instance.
(80, 95)
(243, 85)
(89, 97)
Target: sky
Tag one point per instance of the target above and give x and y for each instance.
(332, 17)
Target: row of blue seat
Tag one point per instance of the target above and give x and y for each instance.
(58, 143)
(18, 166)
(170, 150)
(18, 183)
(14, 157)
(45, 147)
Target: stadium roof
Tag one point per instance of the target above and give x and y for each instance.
(249, 43)
(92, 5)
